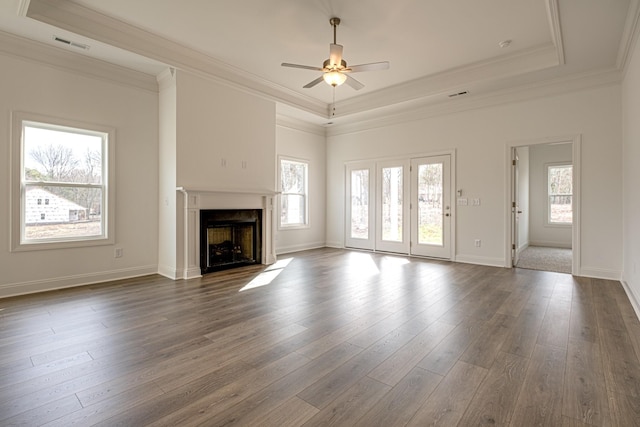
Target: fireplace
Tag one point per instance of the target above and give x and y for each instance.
(229, 238)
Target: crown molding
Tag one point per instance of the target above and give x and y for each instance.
(454, 80)
(414, 112)
(23, 6)
(630, 35)
(299, 125)
(553, 14)
(62, 59)
(84, 21)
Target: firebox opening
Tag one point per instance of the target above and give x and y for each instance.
(229, 238)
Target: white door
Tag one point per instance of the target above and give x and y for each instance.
(392, 206)
(431, 212)
(515, 208)
(360, 206)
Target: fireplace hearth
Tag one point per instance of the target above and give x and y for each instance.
(229, 238)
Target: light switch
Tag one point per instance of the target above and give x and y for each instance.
(476, 202)
(463, 201)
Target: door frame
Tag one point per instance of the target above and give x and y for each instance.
(515, 206)
(576, 150)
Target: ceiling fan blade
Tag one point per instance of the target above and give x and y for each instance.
(304, 67)
(335, 54)
(369, 67)
(313, 83)
(353, 82)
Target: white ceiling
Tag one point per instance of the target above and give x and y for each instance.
(435, 47)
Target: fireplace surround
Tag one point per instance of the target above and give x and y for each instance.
(195, 200)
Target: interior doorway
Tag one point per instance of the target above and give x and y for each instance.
(544, 205)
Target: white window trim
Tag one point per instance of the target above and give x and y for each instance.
(17, 188)
(307, 223)
(547, 215)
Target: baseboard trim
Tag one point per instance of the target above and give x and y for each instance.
(36, 286)
(633, 299)
(298, 248)
(600, 273)
(168, 272)
(560, 245)
(335, 245)
(480, 260)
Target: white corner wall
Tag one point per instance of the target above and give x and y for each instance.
(309, 146)
(30, 86)
(480, 137)
(631, 178)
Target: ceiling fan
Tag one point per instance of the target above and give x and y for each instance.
(335, 70)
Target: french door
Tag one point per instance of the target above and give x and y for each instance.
(431, 216)
(400, 206)
(360, 205)
(392, 207)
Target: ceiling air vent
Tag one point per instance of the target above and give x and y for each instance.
(71, 43)
(453, 95)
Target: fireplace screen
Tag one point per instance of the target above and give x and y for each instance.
(229, 239)
(228, 244)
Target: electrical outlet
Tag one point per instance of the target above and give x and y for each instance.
(476, 202)
(478, 242)
(117, 253)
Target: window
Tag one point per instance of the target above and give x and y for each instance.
(67, 165)
(560, 194)
(293, 199)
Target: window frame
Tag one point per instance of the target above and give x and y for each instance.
(281, 193)
(19, 184)
(548, 195)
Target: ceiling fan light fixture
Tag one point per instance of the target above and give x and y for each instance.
(334, 78)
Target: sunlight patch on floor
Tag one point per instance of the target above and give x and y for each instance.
(268, 275)
(363, 263)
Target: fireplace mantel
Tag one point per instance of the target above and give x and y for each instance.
(196, 199)
(258, 191)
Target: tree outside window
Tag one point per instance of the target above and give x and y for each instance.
(560, 194)
(293, 198)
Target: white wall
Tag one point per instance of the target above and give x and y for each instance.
(225, 137)
(631, 178)
(30, 86)
(480, 137)
(541, 233)
(309, 146)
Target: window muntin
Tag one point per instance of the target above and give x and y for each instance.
(560, 194)
(294, 188)
(62, 196)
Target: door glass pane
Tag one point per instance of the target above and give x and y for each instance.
(430, 204)
(360, 204)
(392, 204)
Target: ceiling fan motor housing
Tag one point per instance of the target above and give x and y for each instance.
(326, 65)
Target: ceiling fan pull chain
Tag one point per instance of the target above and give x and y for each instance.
(333, 106)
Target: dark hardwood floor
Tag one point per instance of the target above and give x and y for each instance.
(325, 337)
